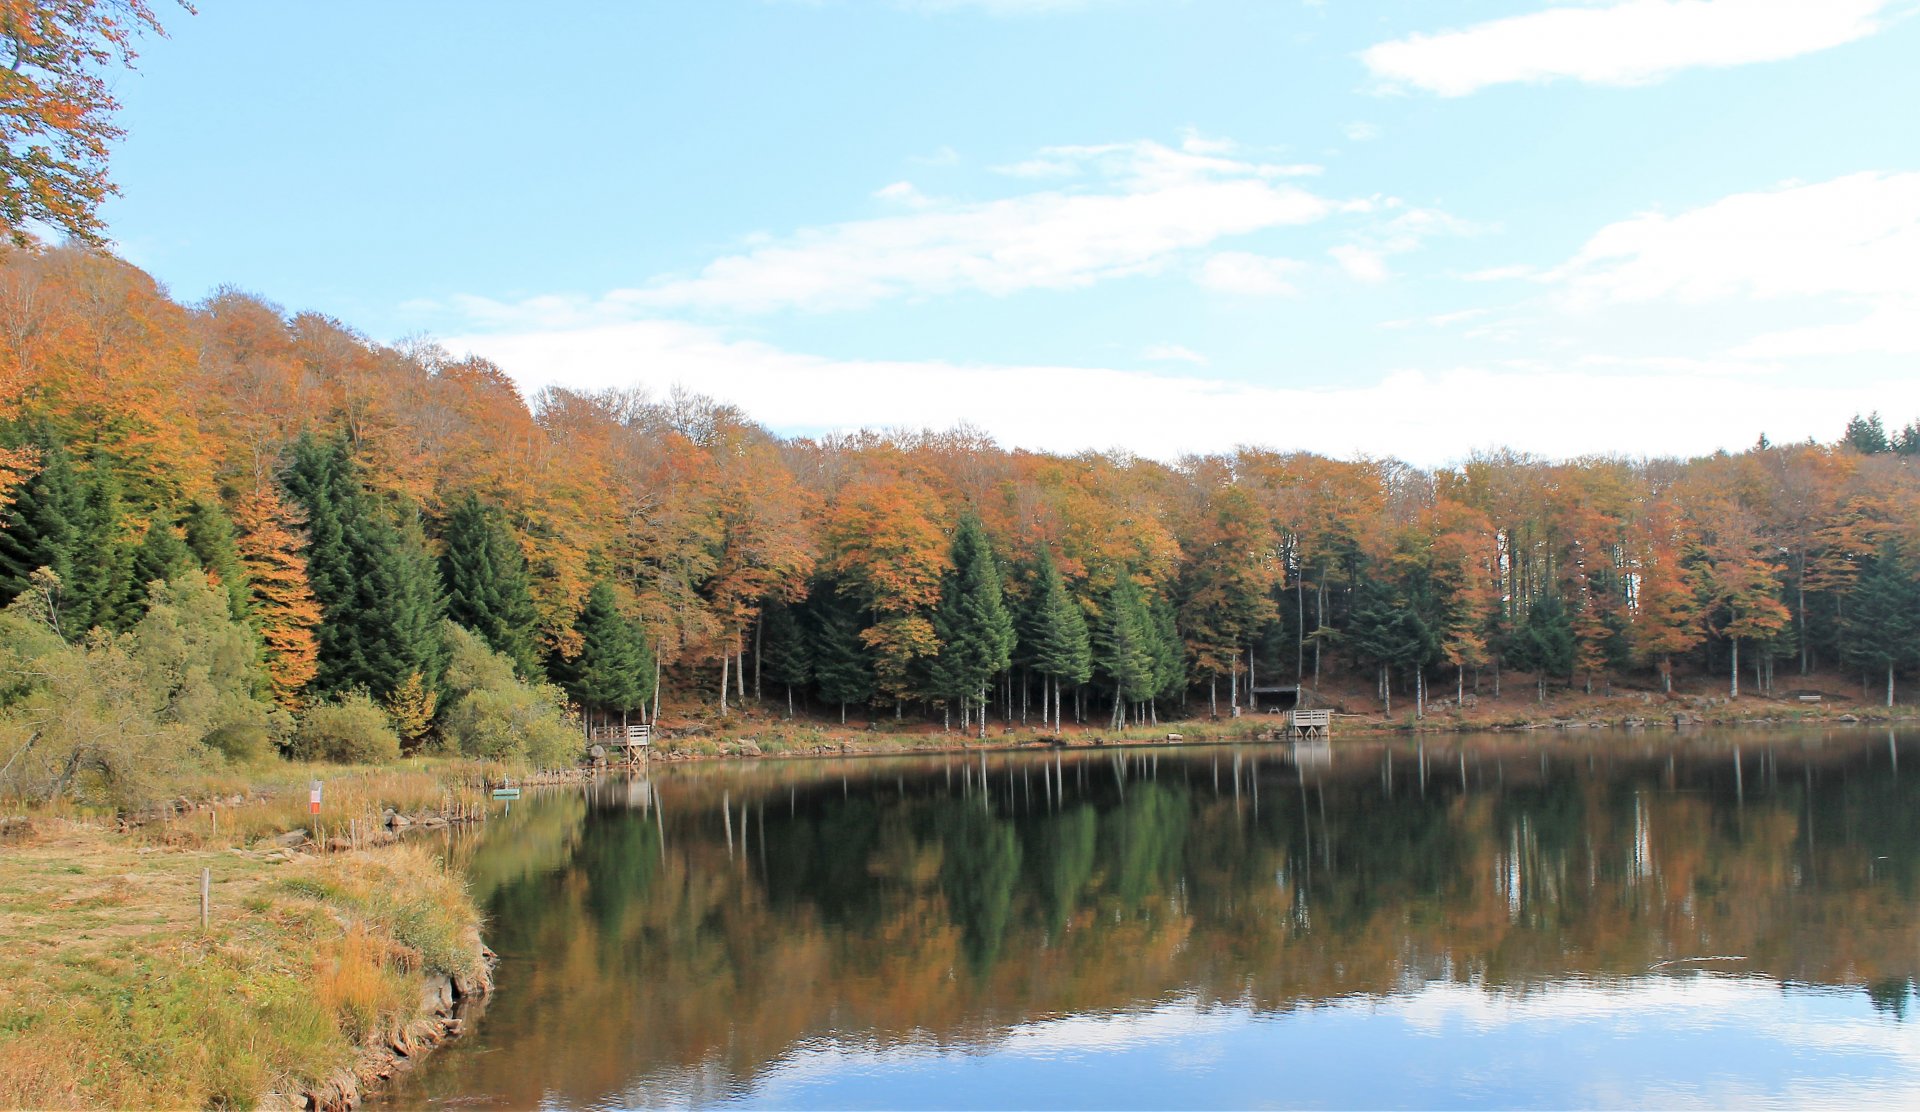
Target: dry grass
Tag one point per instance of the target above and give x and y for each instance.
(111, 996)
(275, 800)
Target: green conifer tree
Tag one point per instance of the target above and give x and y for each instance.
(209, 536)
(1544, 644)
(1061, 649)
(614, 671)
(103, 591)
(488, 588)
(971, 621)
(842, 663)
(785, 652)
(1124, 646)
(378, 588)
(1882, 617)
(40, 526)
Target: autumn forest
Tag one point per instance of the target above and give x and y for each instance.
(370, 516)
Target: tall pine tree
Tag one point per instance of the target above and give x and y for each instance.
(378, 589)
(1124, 647)
(785, 652)
(614, 671)
(971, 621)
(1882, 618)
(488, 589)
(1061, 649)
(842, 662)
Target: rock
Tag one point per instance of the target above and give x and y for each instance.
(437, 994)
(398, 821)
(749, 748)
(338, 844)
(292, 839)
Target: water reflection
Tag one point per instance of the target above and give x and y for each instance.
(1421, 923)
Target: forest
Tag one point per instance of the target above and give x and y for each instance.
(255, 532)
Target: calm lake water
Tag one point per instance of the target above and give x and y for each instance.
(1602, 918)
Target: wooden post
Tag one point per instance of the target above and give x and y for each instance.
(206, 897)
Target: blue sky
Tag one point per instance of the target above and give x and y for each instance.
(1397, 228)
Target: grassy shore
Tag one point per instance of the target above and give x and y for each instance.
(111, 994)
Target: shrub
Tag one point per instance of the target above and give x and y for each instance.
(352, 730)
(492, 714)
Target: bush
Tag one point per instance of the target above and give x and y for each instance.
(353, 730)
(491, 714)
(243, 742)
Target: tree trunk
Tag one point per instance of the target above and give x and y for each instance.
(1666, 674)
(725, 658)
(983, 714)
(789, 702)
(655, 716)
(758, 626)
(843, 712)
(1386, 689)
(1734, 685)
(1300, 629)
(740, 676)
(1213, 694)
(1805, 663)
(1889, 683)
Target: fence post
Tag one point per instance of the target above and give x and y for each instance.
(206, 897)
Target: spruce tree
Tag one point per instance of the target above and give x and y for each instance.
(1544, 644)
(1061, 650)
(785, 652)
(210, 537)
(41, 524)
(488, 589)
(842, 662)
(971, 620)
(103, 591)
(377, 586)
(1882, 618)
(614, 670)
(1169, 652)
(160, 555)
(1124, 647)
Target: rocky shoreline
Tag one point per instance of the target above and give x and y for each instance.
(450, 1004)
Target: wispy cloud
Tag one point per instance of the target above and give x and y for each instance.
(1173, 353)
(1627, 43)
(1426, 417)
(1857, 236)
(1249, 275)
(1131, 209)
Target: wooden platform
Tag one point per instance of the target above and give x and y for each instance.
(1310, 723)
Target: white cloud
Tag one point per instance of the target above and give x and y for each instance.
(1627, 43)
(1248, 275)
(1366, 258)
(1360, 131)
(1142, 205)
(1847, 249)
(1361, 263)
(904, 194)
(1174, 353)
(1858, 235)
(1426, 417)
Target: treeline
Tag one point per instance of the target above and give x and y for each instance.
(351, 498)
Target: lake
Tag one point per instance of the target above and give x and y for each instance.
(1590, 918)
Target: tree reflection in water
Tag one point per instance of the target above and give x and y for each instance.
(694, 928)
